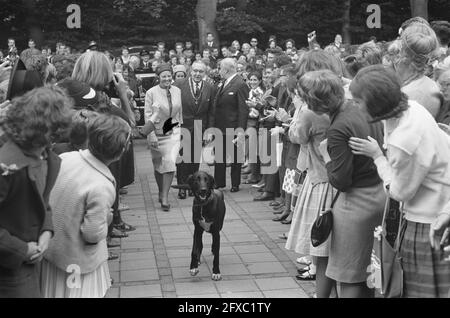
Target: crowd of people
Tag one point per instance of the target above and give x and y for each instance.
(354, 126)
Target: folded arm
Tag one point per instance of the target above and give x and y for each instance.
(94, 227)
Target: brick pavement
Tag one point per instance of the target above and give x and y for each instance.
(154, 260)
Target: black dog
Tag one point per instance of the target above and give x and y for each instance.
(208, 213)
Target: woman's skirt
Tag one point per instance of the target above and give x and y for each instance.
(306, 210)
(127, 167)
(356, 214)
(57, 283)
(165, 156)
(426, 275)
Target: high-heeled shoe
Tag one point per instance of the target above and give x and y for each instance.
(282, 217)
(287, 221)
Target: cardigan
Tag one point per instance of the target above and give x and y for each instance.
(346, 170)
(417, 167)
(25, 212)
(309, 130)
(81, 199)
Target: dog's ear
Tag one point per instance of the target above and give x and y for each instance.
(212, 182)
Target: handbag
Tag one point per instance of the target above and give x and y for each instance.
(385, 268)
(323, 225)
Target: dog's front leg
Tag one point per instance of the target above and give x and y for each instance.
(197, 248)
(215, 250)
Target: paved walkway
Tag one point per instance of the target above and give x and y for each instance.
(154, 260)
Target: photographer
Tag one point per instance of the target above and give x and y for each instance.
(94, 68)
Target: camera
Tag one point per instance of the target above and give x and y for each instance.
(111, 90)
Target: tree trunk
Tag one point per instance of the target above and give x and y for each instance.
(206, 18)
(419, 8)
(346, 34)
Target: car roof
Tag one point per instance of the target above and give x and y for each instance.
(136, 49)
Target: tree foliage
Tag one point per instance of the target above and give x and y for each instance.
(113, 23)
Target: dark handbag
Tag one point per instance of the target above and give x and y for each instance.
(323, 225)
(386, 269)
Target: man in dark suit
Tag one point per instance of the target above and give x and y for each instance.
(197, 98)
(145, 64)
(231, 112)
(210, 42)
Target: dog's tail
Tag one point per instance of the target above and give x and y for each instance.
(181, 187)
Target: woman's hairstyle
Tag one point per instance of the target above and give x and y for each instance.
(380, 89)
(128, 68)
(81, 121)
(418, 42)
(94, 69)
(291, 85)
(282, 59)
(38, 117)
(134, 62)
(39, 63)
(352, 65)
(50, 74)
(369, 54)
(442, 30)
(109, 137)
(322, 91)
(257, 74)
(333, 50)
(413, 20)
(316, 60)
(64, 68)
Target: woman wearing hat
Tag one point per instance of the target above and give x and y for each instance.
(164, 147)
(179, 72)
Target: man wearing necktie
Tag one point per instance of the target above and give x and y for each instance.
(231, 112)
(197, 97)
(210, 42)
(145, 60)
